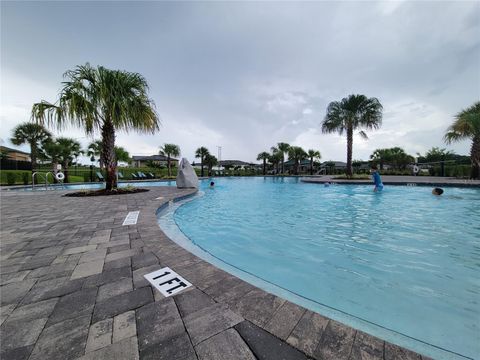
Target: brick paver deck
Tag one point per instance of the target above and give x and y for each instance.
(72, 287)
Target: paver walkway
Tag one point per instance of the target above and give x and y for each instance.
(72, 287)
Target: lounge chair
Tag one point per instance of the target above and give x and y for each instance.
(100, 176)
(120, 175)
(134, 176)
(141, 175)
(152, 176)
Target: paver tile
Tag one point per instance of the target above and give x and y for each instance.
(109, 290)
(266, 346)
(192, 301)
(38, 310)
(177, 347)
(367, 347)
(124, 326)
(62, 341)
(73, 305)
(209, 321)
(122, 303)
(284, 320)
(99, 335)
(14, 292)
(308, 332)
(17, 333)
(225, 345)
(336, 343)
(87, 269)
(394, 352)
(126, 349)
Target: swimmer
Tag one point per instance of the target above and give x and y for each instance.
(327, 184)
(437, 191)
(212, 184)
(377, 180)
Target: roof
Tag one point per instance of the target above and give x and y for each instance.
(233, 163)
(152, 158)
(9, 150)
(338, 164)
(292, 162)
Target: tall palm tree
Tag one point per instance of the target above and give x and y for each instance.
(283, 148)
(169, 150)
(467, 126)
(201, 153)
(349, 114)
(264, 156)
(313, 154)
(381, 156)
(34, 135)
(297, 154)
(275, 159)
(104, 100)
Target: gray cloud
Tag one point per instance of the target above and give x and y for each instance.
(247, 75)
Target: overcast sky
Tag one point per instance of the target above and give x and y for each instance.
(247, 75)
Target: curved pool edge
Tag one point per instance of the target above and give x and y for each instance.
(252, 303)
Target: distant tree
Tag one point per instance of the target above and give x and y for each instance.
(100, 99)
(68, 148)
(396, 157)
(170, 150)
(283, 149)
(95, 149)
(349, 114)
(210, 162)
(380, 156)
(313, 154)
(297, 154)
(264, 156)
(436, 154)
(201, 153)
(467, 126)
(32, 134)
(275, 159)
(121, 155)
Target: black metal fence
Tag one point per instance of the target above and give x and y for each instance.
(7, 164)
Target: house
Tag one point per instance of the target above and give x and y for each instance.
(157, 160)
(303, 167)
(14, 154)
(230, 164)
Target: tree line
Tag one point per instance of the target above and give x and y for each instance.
(102, 100)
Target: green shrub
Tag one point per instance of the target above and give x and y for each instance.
(25, 178)
(86, 177)
(11, 178)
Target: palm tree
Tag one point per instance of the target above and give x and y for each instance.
(105, 100)
(283, 148)
(381, 156)
(352, 113)
(121, 155)
(467, 126)
(34, 135)
(313, 154)
(95, 149)
(67, 149)
(170, 150)
(210, 161)
(264, 156)
(297, 154)
(201, 153)
(52, 151)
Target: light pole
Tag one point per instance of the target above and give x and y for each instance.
(92, 159)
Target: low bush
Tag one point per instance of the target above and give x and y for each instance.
(25, 178)
(11, 178)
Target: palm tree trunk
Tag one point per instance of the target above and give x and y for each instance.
(108, 155)
(475, 157)
(201, 164)
(264, 166)
(65, 171)
(311, 166)
(349, 171)
(33, 156)
(168, 165)
(283, 160)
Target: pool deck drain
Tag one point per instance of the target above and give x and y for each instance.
(73, 287)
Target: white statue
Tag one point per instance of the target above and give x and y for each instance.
(186, 176)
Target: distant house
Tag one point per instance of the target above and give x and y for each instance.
(235, 164)
(158, 160)
(14, 154)
(303, 167)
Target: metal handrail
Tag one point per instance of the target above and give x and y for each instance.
(45, 176)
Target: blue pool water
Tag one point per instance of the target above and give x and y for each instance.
(404, 263)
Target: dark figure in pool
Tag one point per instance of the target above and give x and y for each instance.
(376, 178)
(212, 184)
(437, 191)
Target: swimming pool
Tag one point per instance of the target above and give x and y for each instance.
(93, 186)
(403, 265)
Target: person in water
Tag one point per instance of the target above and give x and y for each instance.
(377, 180)
(212, 184)
(437, 191)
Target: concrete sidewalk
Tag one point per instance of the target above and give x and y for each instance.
(72, 287)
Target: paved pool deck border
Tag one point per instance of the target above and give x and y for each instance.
(72, 287)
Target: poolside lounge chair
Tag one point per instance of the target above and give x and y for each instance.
(120, 175)
(100, 176)
(141, 175)
(134, 176)
(152, 176)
